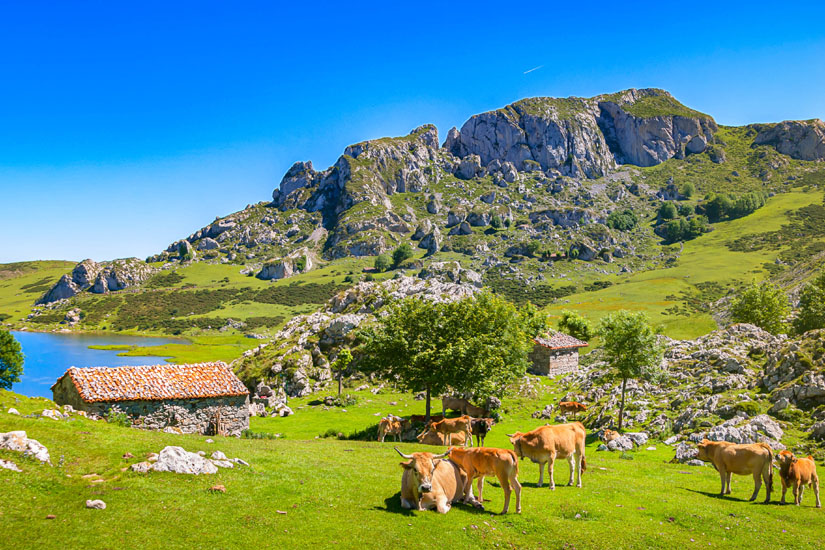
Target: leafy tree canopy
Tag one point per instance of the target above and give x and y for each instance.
(11, 360)
(764, 305)
(811, 306)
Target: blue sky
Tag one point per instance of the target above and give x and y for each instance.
(125, 127)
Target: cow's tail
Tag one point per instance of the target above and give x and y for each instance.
(770, 464)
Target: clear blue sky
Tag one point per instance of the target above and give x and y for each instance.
(125, 127)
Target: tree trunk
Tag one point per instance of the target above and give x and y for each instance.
(340, 381)
(621, 407)
(428, 405)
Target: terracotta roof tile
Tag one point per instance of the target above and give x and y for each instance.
(559, 340)
(155, 382)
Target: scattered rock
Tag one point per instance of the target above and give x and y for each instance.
(9, 465)
(12, 410)
(96, 504)
(18, 441)
(178, 460)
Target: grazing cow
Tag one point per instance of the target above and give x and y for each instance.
(609, 435)
(430, 437)
(475, 412)
(449, 426)
(484, 461)
(797, 473)
(741, 459)
(389, 426)
(449, 403)
(429, 482)
(547, 443)
(421, 418)
(480, 428)
(574, 407)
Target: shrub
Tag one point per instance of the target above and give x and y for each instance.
(575, 325)
(686, 210)
(116, 415)
(402, 253)
(811, 306)
(624, 220)
(751, 408)
(687, 190)
(495, 222)
(300, 264)
(764, 305)
(667, 211)
(382, 262)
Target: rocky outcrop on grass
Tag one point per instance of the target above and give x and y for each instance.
(18, 441)
(180, 461)
(99, 278)
(799, 139)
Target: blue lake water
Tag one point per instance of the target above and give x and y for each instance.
(49, 354)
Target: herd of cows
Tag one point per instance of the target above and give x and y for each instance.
(435, 482)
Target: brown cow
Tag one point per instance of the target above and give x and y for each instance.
(434, 438)
(449, 426)
(475, 412)
(742, 459)
(574, 407)
(431, 483)
(420, 418)
(798, 472)
(609, 435)
(547, 443)
(389, 426)
(449, 403)
(480, 428)
(484, 461)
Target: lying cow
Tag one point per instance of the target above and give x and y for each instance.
(430, 437)
(547, 443)
(480, 427)
(609, 435)
(797, 473)
(429, 482)
(484, 461)
(450, 426)
(567, 407)
(741, 459)
(389, 426)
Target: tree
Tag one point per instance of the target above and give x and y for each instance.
(11, 360)
(764, 305)
(687, 189)
(631, 348)
(668, 211)
(382, 262)
(575, 325)
(477, 344)
(623, 220)
(495, 221)
(402, 253)
(341, 364)
(811, 306)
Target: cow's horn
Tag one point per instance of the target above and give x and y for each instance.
(402, 454)
(442, 455)
(510, 435)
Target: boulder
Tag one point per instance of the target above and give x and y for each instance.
(179, 461)
(65, 288)
(208, 244)
(18, 441)
(462, 228)
(638, 438)
(9, 465)
(469, 167)
(818, 431)
(621, 443)
(96, 504)
(799, 139)
(685, 452)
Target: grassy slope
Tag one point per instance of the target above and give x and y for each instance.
(345, 494)
(24, 282)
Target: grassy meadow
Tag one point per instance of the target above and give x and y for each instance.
(302, 491)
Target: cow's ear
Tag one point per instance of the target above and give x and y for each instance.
(407, 465)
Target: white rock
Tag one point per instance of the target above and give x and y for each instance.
(141, 467)
(51, 413)
(671, 440)
(18, 441)
(209, 441)
(240, 462)
(224, 463)
(651, 449)
(12, 410)
(96, 504)
(9, 465)
(218, 455)
(178, 460)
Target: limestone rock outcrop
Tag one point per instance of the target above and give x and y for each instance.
(799, 139)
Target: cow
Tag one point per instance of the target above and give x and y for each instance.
(797, 473)
(609, 435)
(475, 412)
(485, 461)
(547, 443)
(451, 426)
(741, 459)
(574, 407)
(434, 438)
(389, 426)
(480, 427)
(421, 418)
(430, 482)
(449, 403)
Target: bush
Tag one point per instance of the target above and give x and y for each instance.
(811, 306)
(751, 408)
(764, 305)
(668, 211)
(402, 253)
(382, 262)
(686, 210)
(495, 221)
(624, 220)
(300, 264)
(116, 415)
(687, 190)
(575, 325)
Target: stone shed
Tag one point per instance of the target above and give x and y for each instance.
(202, 398)
(557, 353)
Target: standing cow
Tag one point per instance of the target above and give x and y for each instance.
(449, 426)
(547, 443)
(484, 461)
(742, 459)
(797, 473)
(480, 428)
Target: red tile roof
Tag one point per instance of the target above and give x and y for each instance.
(155, 382)
(559, 340)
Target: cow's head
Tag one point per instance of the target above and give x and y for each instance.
(515, 439)
(421, 467)
(704, 450)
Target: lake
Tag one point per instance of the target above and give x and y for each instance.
(49, 354)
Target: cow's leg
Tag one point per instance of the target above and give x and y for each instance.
(815, 485)
(505, 484)
(766, 477)
(481, 489)
(784, 489)
(727, 479)
(798, 493)
(442, 505)
(724, 478)
(517, 486)
(468, 438)
(541, 474)
(571, 461)
(468, 488)
(757, 484)
(406, 504)
(579, 459)
(550, 469)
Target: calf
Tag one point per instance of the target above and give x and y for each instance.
(430, 483)
(434, 438)
(609, 435)
(574, 407)
(449, 426)
(449, 403)
(480, 428)
(742, 459)
(547, 443)
(389, 426)
(484, 461)
(798, 472)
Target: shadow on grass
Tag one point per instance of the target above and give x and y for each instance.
(392, 505)
(716, 495)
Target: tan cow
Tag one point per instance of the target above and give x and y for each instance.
(547, 443)
(567, 407)
(609, 435)
(475, 412)
(741, 459)
(430, 437)
(389, 426)
(449, 426)
(429, 482)
(797, 473)
(449, 403)
(419, 418)
(484, 461)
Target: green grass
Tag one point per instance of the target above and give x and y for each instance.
(346, 494)
(22, 283)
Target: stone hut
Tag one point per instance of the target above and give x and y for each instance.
(555, 354)
(203, 398)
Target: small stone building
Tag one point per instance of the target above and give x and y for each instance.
(203, 398)
(555, 354)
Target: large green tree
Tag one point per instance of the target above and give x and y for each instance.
(811, 306)
(11, 360)
(477, 344)
(575, 325)
(764, 305)
(631, 348)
